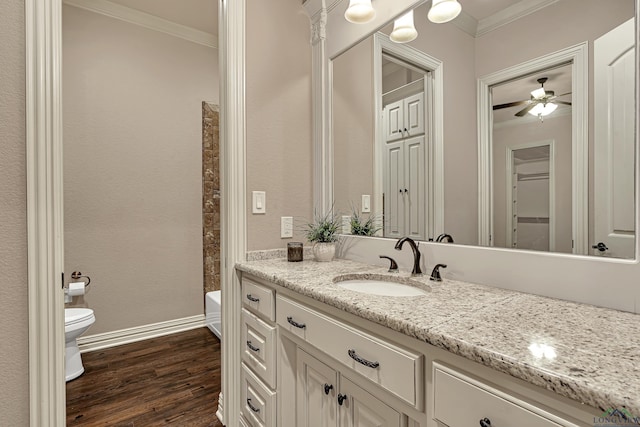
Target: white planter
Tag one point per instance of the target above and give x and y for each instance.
(324, 251)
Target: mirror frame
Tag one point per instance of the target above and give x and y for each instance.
(571, 277)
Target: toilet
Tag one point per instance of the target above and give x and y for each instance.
(76, 323)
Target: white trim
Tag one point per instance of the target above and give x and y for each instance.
(146, 20)
(552, 189)
(577, 55)
(434, 151)
(510, 14)
(466, 23)
(45, 227)
(139, 333)
(233, 202)
(220, 411)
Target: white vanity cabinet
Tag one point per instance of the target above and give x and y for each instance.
(312, 365)
(483, 404)
(327, 398)
(258, 376)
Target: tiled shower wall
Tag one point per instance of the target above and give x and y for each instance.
(211, 195)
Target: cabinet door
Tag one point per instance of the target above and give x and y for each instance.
(393, 116)
(394, 173)
(317, 384)
(414, 184)
(361, 409)
(414, 115)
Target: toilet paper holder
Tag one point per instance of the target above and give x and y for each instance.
(76, 275)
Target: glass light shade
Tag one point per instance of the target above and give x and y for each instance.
(543, 109)
(538, 93)
(403, 29)
(443, 11)
(360, 11)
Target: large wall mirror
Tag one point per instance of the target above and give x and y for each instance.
(511, 126)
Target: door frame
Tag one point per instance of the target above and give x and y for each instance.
(434, 127)
(578, 57)
(45, 221)
(552, 189)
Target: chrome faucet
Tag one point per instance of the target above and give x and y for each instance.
(416, 254)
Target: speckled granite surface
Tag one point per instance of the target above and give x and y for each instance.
(586, 353)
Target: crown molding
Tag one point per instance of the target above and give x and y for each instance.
(466, 23)
(510, 14)
(146, 20)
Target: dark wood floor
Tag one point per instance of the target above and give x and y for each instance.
(171, 380)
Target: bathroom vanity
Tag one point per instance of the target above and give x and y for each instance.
(317, 354)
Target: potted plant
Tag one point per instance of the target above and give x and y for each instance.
(361, 226)
(323, 233)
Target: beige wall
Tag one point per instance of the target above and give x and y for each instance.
(353, 127)
(133, 167)
(14, 352)
(278, 102)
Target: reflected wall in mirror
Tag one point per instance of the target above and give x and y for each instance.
(542, 153)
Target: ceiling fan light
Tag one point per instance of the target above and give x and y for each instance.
(538, 93)
(443, 11)
(543, 109)
(360, 12)
(403, 29)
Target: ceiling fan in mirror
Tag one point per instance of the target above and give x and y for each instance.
(541, 103)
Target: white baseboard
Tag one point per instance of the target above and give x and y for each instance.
(220, 411)
(139, 333)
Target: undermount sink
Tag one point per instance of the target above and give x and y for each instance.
(382, 285)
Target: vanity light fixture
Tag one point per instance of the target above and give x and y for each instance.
(443, 11)
(403, 29)
(360, 11)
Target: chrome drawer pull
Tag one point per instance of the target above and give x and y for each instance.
(328, 388)
(253, 408)
(365, 362)
(296, 324)
(252, 298)
(341, 398)
(252, 347)
(485, 422)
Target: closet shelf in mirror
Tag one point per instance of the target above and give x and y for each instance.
(533, 220)
(533, 176)
(403, 91)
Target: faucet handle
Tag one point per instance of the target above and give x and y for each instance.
(435, 274)
(393, 268)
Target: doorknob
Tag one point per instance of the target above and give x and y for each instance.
(600, 246)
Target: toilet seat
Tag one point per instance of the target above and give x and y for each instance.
(73, 316)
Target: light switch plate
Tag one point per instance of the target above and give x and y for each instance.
(366, 203)
(259, 202)
(286, 227)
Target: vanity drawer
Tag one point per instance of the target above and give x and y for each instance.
(258, 299)
(395, 369)
(258, 404)
(454, 391)
(258, 347)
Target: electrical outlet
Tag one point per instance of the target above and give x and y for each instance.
(346, 224)
(286, 227)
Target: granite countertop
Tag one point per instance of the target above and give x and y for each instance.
(587, 353)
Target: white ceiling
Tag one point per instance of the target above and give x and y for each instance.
(198, 14)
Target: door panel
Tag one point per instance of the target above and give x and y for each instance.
(314, 406)
(614, 69)
(362, 409)
(394, 190)
(394, 121)
(414, 115)
(414, 188)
